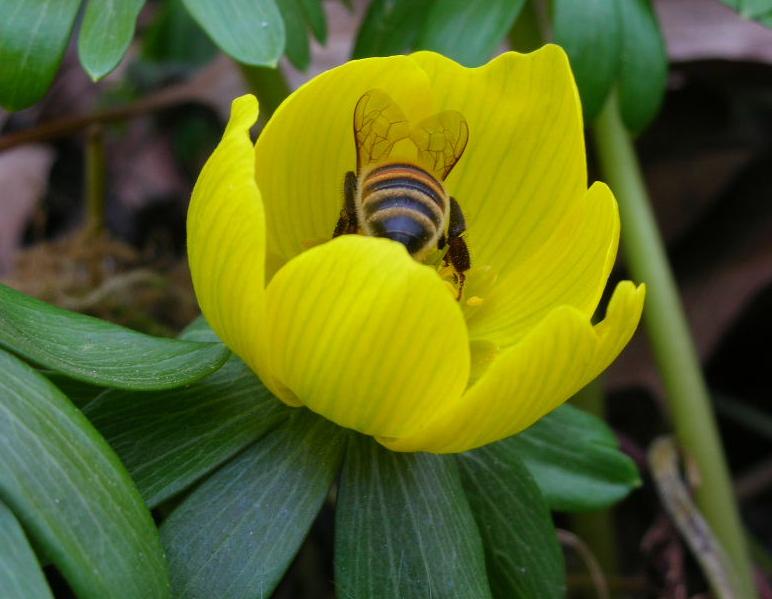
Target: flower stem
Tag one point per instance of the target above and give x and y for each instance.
(670, 338)
(95, 178)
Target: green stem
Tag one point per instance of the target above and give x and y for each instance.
(670, 338)
(269, 85)
(95, 178)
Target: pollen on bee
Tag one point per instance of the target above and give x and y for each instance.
(445, 271)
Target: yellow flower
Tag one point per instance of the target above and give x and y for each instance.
(357, 330)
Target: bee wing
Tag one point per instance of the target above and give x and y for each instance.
(378, 124)
(441, 140)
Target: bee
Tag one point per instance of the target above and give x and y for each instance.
(405, 200)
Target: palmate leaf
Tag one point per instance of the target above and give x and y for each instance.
(71, 493)
(20, 573)
(468, 32)
(35, 35)
(235, 534)
(591, 34)
(106, 33)
(98, 352)
(522, 552)
(251, 31)
(752, 9)
(390, 27)
(299, 15)
(643, 68)
(297, 47)
(614, 43)
(33, 38)
(575, 459)
(404, 528)
(316, 19)
(173, 38)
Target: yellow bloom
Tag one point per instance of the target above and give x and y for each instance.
(370, 338)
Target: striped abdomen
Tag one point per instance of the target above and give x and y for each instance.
(404, 203)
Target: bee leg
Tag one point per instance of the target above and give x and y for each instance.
(458, 254)
(347, 223)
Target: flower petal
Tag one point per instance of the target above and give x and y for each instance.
(308, 146)
(571, 268)
(524, 166)
(366, 336)
(530, 379)
(226, 238)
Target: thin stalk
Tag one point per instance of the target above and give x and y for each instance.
(94, 178)
(62, 127)
(670, 338)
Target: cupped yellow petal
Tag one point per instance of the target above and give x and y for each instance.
(226, 238)
(531, 378)
(307, 147)
(366, 336)
(524, 167)
(570, 268)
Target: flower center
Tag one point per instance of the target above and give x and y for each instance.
(397, 190)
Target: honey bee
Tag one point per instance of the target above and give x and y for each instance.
(401, 200)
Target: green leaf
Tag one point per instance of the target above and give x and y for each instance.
(20, 573)
(521, 548)
(591, 34)
(199, 330)
(469, 32)
(175, 38)
(72, 494)
(390, 27)
(105, 34)
(77, 392)
(297, 47)
(170, 439)
(33, 38)
(298, 16)
(766, 19)
(575, 459)
(643, 72)
(404, 529)
(98, 352)
(755, 9)
(251, 31)
(316, 19)
(237, 533)
(750, 9)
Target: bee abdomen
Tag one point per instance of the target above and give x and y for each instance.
(402, 203)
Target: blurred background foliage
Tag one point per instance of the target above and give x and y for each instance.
(110, 114)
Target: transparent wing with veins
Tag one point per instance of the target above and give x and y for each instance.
(440, 140)
(378, 124)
